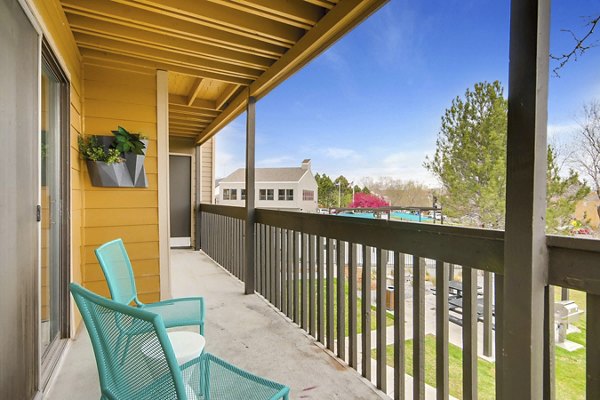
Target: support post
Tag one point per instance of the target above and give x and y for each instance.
(250, 193)
(525, 252)
(198, 191)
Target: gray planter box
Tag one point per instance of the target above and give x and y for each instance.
(109, 175)
(130, 173)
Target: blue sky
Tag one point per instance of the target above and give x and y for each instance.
(370, 106)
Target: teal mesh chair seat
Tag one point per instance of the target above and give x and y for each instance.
(136, 361)
(118, 272)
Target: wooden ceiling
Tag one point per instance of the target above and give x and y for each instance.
(217, 52)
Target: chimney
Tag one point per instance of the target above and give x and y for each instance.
(305, 164)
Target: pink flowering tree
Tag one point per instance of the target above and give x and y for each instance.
(364, 200)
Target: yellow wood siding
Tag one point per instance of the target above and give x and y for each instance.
(207, 171)
(128, 99)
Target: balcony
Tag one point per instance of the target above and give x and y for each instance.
(245, 330)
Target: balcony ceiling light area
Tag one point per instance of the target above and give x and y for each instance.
(217, 52)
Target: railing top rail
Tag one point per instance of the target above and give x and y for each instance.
(573, 262)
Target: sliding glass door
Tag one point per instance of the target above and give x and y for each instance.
(53, 210)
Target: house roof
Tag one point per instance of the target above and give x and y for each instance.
(267, 175)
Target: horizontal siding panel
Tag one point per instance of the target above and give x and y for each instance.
(75, 100)
(141, 268)
(144, 284)
(134, 234)
(95, 90)
(75, 119)
(114, 77)
(135, 251)
(103, 126)
(148, 298)
(119, 217)
(125, 198)
(121, 111)
(76, 199)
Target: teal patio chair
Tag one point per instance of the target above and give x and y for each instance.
(145, 366)
(116, 266)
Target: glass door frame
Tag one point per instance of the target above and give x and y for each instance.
(50, 357)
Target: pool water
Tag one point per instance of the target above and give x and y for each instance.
(399, 215)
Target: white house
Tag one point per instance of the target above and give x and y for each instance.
(292, 188)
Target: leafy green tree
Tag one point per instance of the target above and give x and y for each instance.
(470, 162)
(470, 156)
(326, 190)
(562, 196)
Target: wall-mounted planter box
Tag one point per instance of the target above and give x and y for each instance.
(130, 173)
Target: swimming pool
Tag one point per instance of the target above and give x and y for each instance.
(397, 215)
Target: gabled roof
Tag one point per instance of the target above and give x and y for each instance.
(267, 175)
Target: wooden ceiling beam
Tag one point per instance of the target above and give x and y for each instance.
(321, 3)
(330, 28)
(226, 95)
(189, 118)
(179, 100)
(198, 112)
(295, 13)
(104, 26)
(181, 135)
(186, 124)
(194, 91)
(215, 16)
(163, 23)
(154, 53)
(91, 56)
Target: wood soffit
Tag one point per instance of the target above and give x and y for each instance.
(217, 52)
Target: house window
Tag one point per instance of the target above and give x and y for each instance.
(266, 194)
(281, 195)
(289, 194)
(233, 194)
(242, 194)
(308, 195)
(226, 194)
(270, 194)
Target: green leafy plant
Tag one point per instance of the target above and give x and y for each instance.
(91, 149)
(127, 142)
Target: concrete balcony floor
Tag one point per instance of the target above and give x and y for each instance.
(243, 330)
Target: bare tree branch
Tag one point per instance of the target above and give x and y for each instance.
(581, 45)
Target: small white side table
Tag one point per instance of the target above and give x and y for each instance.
(186, 346)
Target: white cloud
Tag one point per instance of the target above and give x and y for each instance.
(561, 129)
(338, 153)
(275, 161)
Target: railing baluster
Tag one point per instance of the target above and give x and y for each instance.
(487, 314)
(296, 276)
(381, 320)
(284, 275)
(320, 291)
(499, 329)
(469, 333)
(441, 329)
(272, 264)
(290, 272)
(399, 326)
(418, 328)
(304, 282)
(329, 284)
(366, 312)
(341, 299)
(352, 318)
(277, 272)
(311, 286)
(592, 363)
(549, 389)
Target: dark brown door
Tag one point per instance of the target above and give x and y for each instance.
(180, 192)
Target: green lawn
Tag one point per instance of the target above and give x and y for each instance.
(389, 319)
(570, 367)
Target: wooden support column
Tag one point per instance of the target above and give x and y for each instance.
(198, 191)
(525, 252)
(250, 193)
